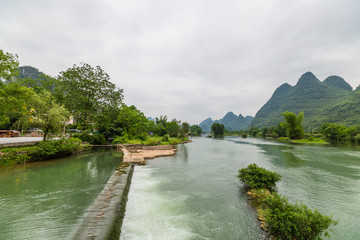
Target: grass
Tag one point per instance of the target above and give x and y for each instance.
(310, 141)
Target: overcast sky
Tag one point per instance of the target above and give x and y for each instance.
(189, 59)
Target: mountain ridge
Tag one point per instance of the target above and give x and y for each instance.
(230, 120)
(313, 97)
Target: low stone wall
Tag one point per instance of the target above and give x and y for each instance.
(104, 218)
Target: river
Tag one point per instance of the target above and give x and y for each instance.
(47, 200)
(196, 195)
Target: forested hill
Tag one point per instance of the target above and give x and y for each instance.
(29, 71)
(332, 100)
(231, 122)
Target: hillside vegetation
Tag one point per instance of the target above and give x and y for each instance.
(332, 100)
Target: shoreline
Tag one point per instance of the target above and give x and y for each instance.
(137, 154)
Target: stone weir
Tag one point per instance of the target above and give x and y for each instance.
(103, 219)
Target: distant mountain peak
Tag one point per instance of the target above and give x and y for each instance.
(230, 114)
(230, 121)
(320, 102)
(338, 82)
(307, 78)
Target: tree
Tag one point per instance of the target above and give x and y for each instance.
(50, 116)
(254, 131)
(333, 132)
(8, 65)
(195, 130)
(173, 128)
(88, 90)
(16, 103)
(218, 129)
(293, 124)
(184, 131)
(131, 120)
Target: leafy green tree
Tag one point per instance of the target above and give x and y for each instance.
(293, 124)
(8, 65)
(333, 132)
(16, 105)
(131, 120)
(173, 128)
(50, 116)
(254, 131)
(87, 90)
(218, 129)
(195, 130)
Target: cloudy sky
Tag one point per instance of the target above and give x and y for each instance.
(189, 59)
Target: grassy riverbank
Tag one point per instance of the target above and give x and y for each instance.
(309, 140)
(42, 151)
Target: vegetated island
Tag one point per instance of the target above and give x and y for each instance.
(277, 216)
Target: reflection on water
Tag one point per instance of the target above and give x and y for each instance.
(196, 195)
(46, 200)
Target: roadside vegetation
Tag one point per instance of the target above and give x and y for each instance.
(42, 151)
(280, 218)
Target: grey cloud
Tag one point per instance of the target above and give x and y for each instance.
(189, 59)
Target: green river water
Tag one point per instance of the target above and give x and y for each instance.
(196, 195)
(47, 200)
(192, 195)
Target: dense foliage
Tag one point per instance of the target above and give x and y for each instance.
(195, 130)
(257, 177)
(43, 151)
(337, 133)
(293, 124)
(218, 129)
(295, 221)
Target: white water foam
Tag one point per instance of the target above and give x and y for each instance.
(153, 215)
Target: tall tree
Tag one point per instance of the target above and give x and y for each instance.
(88, 90)
(218, 129)
(293, 124)
(8, 65)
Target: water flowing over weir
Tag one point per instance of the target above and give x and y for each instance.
(196, 195)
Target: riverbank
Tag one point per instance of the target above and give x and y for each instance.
(138, 153)
(44, 150)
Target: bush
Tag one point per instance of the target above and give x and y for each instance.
(287, 221)
(94, 139)
(55, 148)
(257, 177)
(14, 157)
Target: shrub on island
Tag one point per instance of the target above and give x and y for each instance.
(256, 177)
